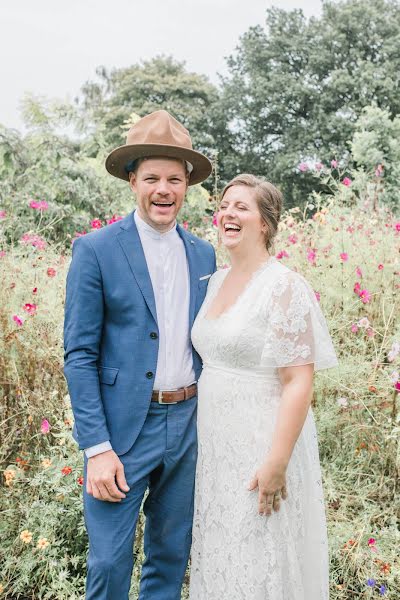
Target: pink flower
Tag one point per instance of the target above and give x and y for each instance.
(397, 386)
(51, 272)
(282, 254)
(96, 224)
(185, 225)
(354, 328)
(357, 288)
(18, 320)
(379, 171)
(346, 181)
(42, 205)
(3, 214)
(30, 308)
(2, 253)
(350, 229)
(370, 332)
(34, 291)
(365, 296)
(334, 164)
(303, 167)
(45, 426)
(311, 256)
(344, 256)
(317, 295)
(359, 272)
(293, 238)
(397, 226)
(214, 221)
(33, 240)
(380, 267)
(319, 166)
(114, 219)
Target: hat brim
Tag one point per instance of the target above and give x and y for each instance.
(117, 160)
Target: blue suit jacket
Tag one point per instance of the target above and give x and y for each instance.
(110, 321)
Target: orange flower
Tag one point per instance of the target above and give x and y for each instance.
(66, 470)
(26, 536)
(9, 476)
(80, 481)
(385, 568)
(42, 543)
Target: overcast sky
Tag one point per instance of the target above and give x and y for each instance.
(51, 48)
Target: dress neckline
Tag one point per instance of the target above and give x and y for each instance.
(253, 277)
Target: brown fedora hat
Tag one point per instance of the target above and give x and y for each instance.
(158, 134)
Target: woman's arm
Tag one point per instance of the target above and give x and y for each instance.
(295, 401)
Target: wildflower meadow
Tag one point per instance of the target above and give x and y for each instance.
(347, 246)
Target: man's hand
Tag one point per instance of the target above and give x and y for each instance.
(104, 473)
(271, 482)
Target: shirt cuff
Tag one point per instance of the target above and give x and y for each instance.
(97, 449)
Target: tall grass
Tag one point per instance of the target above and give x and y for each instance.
(42, 554)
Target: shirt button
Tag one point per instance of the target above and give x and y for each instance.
(153, 335)
(149, 375)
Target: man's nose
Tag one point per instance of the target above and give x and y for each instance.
(162, 187)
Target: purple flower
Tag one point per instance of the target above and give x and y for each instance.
(371, 582)
(382, 590)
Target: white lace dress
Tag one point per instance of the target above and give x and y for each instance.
(236, 553)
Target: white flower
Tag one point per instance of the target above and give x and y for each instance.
(364, 322)
(394, 351)
(342, 402)
(394, 377)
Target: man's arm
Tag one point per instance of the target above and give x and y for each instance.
(83, 326)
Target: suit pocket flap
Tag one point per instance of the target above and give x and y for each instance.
(108, 375)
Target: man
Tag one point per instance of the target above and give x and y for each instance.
(133, 291)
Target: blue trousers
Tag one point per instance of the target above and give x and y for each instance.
(162, 460)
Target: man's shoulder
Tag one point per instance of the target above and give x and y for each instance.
(99, 237)
(198, 241)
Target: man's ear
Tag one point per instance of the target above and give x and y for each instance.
(132, 181)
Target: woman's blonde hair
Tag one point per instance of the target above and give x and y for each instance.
(269, 200)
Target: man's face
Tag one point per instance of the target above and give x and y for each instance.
(160, 186)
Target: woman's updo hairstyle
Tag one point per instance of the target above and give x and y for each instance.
(269, 200)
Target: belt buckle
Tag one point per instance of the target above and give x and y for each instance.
(160, 393)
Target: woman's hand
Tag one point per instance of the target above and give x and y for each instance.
(270, 479)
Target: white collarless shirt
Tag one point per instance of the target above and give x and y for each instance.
(166, 260)
(169, 273)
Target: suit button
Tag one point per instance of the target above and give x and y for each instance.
(149, 375)
(153, 335)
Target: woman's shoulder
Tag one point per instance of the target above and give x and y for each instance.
(285, 278)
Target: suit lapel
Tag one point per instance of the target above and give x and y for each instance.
(191, 254)
(130, 242)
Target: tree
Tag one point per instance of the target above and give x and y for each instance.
(160, 83)
(296, 88)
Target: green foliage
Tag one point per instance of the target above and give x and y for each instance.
(296, 88)
(160, 83)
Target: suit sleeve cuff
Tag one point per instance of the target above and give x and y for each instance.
(97, 449)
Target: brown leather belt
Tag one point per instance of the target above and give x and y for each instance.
(174, 396)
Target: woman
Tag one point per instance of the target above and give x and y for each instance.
(259, 530)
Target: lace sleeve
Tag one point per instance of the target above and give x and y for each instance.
(297, 333)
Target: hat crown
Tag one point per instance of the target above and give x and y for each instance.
(159, 128)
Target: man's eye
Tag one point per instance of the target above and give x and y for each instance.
(150, 179)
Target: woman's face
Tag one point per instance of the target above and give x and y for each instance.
(239, 220)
